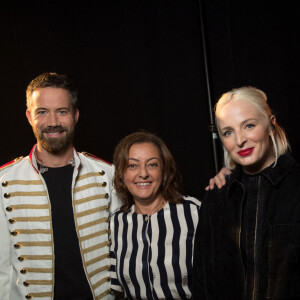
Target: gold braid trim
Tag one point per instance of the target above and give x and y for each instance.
(38, 270)
(90, 236)
(88, 186)
(95, 247)
(93, 223)
(92, 261)
(33, 231)
(33, 244)
(91, 211)
(103, 294)
(30, 206)
(37, 257)
(100, 282)
(104, 268)
(28, 194)
(87, 175)
(40, 295)
(32, 219)
(24, 182)
(88, 199)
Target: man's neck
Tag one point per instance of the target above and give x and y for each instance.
(53, 160)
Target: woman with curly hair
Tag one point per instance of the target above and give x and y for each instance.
(153, 233)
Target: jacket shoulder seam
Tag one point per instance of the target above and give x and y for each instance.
(96, 158)
(11, 163)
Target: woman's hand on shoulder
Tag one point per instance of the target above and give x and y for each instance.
(219, 180)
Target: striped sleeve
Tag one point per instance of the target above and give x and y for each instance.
(114, 226)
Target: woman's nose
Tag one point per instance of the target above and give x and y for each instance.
(143, 172)
(240, 139)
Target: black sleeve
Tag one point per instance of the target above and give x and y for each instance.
(198, 291)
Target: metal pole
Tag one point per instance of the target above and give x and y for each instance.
(212, 127)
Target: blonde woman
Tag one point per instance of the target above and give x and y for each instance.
(247, 244)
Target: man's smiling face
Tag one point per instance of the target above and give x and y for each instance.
(52, 118)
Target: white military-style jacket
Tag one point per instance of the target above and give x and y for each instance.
(26, 237)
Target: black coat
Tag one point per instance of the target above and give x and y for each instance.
(219, 271)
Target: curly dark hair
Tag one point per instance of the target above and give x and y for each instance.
(171, 180)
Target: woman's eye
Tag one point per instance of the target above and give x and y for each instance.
(132, 166)
(227, 133)
(250, 125)
(153, 165)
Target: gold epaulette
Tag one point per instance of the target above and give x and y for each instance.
(95, 157)
(11, 162)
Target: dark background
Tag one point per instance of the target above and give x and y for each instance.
(139, 64)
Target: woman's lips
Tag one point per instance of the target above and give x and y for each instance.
(245, 152)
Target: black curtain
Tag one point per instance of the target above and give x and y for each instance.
(139, 65)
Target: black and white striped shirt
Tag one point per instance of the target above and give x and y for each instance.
(152, 256)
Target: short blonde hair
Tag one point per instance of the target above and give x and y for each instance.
(258, 99)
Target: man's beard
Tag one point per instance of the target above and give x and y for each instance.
(55, 145)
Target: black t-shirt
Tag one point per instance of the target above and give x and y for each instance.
(70, 279)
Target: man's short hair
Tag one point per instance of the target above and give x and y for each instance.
(51, 79)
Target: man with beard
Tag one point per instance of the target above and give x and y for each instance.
(55, 206)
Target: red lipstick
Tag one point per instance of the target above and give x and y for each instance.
(245, 152)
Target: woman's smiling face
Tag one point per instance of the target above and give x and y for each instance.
(143, 175)
(246, 136)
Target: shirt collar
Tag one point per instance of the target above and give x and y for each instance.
(35, 165)
(272, 173)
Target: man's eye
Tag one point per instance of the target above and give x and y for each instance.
(62, 112)
(41, 112)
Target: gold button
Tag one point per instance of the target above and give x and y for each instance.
(4, 183)
(8, 208)
(104, 183)
(23, 271)
(15, 232)
(6, 195)
(26, 283)
(11, 221)
(106, 196)
(28, 297)
(21, 258)
(17, 246)
(102, 173)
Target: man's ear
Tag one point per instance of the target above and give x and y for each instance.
(76, 115)
(28, 115)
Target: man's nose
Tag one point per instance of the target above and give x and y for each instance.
(53, 120)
